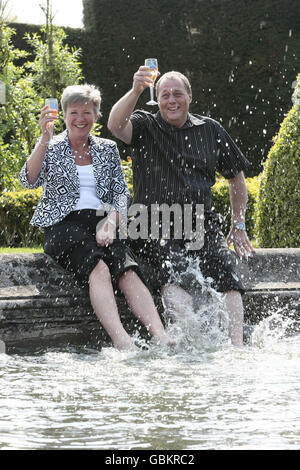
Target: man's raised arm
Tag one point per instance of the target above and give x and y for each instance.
(119, 119)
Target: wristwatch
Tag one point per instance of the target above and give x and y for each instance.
(239, 225)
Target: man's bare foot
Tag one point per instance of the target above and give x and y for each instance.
(125, 345)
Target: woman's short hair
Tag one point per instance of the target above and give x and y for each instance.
(177, 75)
(80, 93)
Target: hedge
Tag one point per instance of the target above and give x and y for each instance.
(241, 57)
(16, 209)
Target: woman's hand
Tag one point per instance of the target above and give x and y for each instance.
(46, 122)
(106, 234)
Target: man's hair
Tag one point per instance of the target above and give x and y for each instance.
(177, 75)
(81, 93)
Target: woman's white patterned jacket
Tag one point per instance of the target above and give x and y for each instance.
(60, 180)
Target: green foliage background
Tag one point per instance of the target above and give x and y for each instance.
(16, 210)
(241, 56)
(278, 206)
(29, 78)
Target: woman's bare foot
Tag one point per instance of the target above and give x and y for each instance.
(164, 339)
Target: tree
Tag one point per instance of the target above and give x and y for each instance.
(278, 205)
(26, 87)
(16, 130)
(5, 14)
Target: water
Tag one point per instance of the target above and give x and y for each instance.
(189, 398)
(201, 394)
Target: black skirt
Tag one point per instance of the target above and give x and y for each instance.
(72, 244)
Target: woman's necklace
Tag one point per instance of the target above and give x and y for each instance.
(83, 154)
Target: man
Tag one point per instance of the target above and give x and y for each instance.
(175, 157)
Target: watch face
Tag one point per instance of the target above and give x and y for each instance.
(240, 225)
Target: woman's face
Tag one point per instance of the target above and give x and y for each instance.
(79, 119)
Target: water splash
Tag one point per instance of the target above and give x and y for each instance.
(278, 328)
(200, 322)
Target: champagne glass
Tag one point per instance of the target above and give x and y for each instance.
(52, 103)
(153, 65)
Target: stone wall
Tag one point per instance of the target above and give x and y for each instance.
(41, 306)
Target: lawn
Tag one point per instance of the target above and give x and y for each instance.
(30, 249)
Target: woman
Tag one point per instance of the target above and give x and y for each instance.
(81, 173)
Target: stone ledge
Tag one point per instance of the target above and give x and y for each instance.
(41, 306)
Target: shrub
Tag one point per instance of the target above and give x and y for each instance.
(221, 203)
(16, 210)
(278, 205)
(127, 169)
(220, 198)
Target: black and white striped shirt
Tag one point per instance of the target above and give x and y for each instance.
(178, 165)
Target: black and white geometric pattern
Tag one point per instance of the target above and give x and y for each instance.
(60, 180)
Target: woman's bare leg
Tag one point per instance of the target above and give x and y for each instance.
(142, 305)
(104, 304)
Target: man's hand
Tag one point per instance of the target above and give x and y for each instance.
(241, 243)
(119, 122)
(142, 79)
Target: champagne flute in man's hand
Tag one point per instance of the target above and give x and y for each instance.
(153, 65)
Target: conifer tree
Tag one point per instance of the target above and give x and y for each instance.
(278, 206)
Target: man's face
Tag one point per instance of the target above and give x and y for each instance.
(173, 101)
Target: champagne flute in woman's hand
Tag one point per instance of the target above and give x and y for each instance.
(52, 103)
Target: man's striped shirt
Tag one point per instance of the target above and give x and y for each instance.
(179, 165)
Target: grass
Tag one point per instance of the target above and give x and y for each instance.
(22, 249)
(39, 248)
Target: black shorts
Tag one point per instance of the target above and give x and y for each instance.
(72, 244)
(170, 259)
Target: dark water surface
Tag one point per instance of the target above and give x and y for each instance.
(202, 394)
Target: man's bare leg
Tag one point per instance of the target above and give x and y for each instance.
(177, 300)
(180, 302)
(235, 309)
